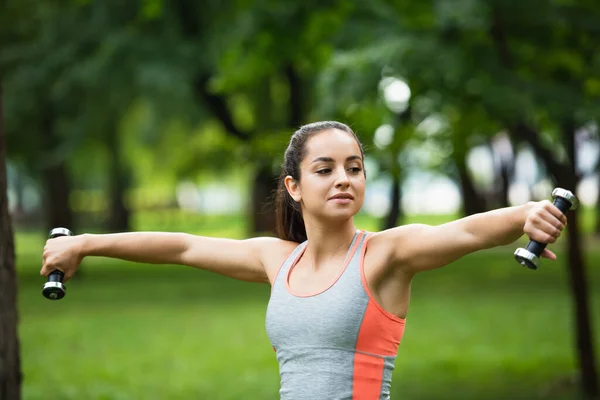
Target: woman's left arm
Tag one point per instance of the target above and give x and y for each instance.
(419, 247)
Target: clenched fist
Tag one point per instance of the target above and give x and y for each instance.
(63, 253)
(544, 224)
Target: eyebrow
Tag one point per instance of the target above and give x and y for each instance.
(329, 159)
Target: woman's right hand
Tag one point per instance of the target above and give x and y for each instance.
(63, 253)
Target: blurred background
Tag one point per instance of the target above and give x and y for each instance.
(173, 116)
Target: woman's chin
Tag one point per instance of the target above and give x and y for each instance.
(334, 214)
(341, 215)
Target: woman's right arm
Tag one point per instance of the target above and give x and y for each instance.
(239, 259)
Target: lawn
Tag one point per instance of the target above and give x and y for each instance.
(481, 328)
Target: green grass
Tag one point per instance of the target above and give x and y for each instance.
(482, 328)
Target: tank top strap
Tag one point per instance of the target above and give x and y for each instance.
(362, 241)
(351, 272)
(285, 266)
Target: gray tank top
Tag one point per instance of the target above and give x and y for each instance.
(335, 344)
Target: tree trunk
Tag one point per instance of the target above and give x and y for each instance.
(503, 153)
(504, 185)
(392, 218)
(566, 177)
(57, 188)
(57, 185)
(472, 202)
(297, 97)
(19, 185)
(579, 289)
(597, 229)
(10, 364)
(262, 208)
(119, 218)
(578, 280)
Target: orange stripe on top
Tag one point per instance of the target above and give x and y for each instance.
(366, 286)
(377, 334)
(380, 334)
(368, 376)
(348, 258)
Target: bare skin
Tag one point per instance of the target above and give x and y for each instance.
(332, 166)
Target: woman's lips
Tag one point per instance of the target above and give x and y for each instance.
(342, 198)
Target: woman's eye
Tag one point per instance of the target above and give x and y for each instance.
(323, 171)
(356, 170)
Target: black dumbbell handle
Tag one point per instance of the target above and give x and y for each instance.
(56, 276)
(536, 247)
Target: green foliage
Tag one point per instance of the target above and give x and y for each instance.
(266, 35)
(146, 68)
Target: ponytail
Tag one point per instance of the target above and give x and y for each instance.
(288, 214)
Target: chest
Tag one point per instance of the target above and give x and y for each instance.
(302, 280)
(328, 319)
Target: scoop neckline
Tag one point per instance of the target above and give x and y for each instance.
(349, 254)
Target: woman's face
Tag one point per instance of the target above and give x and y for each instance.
(332, 177)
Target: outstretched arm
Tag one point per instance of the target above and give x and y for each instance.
(240, 259)
(418, 247)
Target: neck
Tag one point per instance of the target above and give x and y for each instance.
(326, 241)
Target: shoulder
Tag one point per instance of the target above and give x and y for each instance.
(393, 245)
(273, 253)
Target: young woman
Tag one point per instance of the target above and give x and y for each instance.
(339, 295)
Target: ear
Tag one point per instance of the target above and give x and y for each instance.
(293, 188)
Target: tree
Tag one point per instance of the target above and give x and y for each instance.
(10, 366)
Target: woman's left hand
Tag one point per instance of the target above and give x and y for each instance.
(544, 224)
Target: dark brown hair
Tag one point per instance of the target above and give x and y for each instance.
(288, 213)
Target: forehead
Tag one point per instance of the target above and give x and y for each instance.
(331, 143)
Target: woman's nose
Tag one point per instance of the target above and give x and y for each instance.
(342, 180)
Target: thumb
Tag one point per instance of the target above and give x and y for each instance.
(548, 254)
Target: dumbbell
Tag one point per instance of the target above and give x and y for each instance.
(530, 256)
(54, 289)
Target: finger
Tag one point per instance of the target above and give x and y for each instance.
(546, 232)
(47, 269)
(547, 219)
(555, 211)
(549, 254)
(557, 224)
(563, 219)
